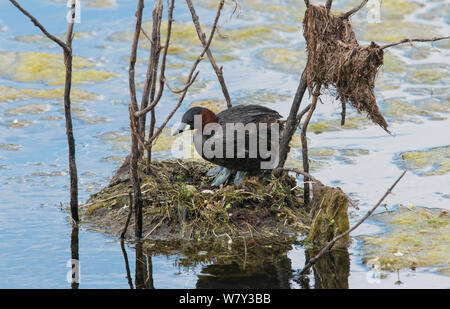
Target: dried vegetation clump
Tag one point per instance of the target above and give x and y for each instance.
(335, 58)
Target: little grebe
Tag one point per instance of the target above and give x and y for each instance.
(252, 132)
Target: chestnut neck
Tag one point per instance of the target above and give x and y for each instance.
(208, 117)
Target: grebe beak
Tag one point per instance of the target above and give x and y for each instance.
(180, 128)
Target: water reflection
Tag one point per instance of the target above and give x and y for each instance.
(144, 269)
(265, 275)
(75, 258)
(127, 265)
(262, 267)
(332, 270)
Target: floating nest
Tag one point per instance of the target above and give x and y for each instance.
(180, 204)
(335, 58)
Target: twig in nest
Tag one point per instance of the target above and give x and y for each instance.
(154, 228)
(335, 239)
(299, 172)
(415, 40)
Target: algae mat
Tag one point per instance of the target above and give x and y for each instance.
(415, 237)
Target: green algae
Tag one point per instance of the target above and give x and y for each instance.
(400, 110)
(86, 116)
(10, 147)
(428, 162)
(419, 53)
(335, 125)
(28, 109)
(321, 157)
(415, 237)
(261, 97)
(94, 3)
(429, 74)
(398, 9)
(215, 105)
(393, 64)
(284, 59)
(186, 45)
(439, 11)
(10, 94)
(394, 30)
(18, 123)
(40, 38)
(49, 69)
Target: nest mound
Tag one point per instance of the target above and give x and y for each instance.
(179, 204)
(335, 58)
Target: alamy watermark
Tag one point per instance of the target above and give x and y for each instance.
(69, 16)
(374, 11)
(74, 274)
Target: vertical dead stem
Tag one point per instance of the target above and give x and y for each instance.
(291, 123)
(134, 125)
(305, 144)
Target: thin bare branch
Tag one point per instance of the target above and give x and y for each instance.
(146, 36)
(307, 3)
(178, 91)
(152, 105)
(348, 14)
(299, 172)
(335, 239)
(190, 76)
(302, 113)
(291, 122)
(42, 28)
(415, 40)
(153, 60)
(202, 37)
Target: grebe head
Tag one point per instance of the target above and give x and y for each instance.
(187, 121)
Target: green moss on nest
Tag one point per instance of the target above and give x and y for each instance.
(180, 204)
